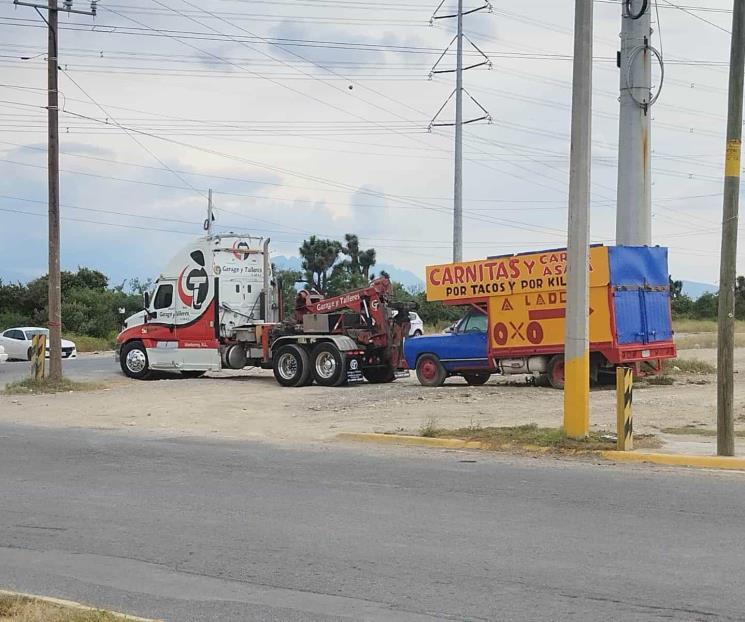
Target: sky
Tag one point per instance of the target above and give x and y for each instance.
(311, 117)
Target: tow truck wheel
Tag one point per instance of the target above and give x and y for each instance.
(430, 371)
(291, 366)
(134, 361)
(329, 366)
(555, 371)
(379, 375)
(476, 379)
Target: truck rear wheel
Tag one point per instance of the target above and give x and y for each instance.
(291, 366)
(555, 371)
(379, 375)
(476, 379)
(329, 365)
(430, 371)
(133, 360)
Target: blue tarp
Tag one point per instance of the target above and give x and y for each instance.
(641, 295)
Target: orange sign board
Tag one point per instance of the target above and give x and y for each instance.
(509, 275)
(536, 319)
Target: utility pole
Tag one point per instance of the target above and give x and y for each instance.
(458, 181)
(210, 216)
(458, 92)
(576, 345)
(634, 211)
(55, 287)
(728, 259)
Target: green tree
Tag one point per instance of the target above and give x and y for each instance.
(319, 257)
(286, 280)
(676, 288)
(359, 261)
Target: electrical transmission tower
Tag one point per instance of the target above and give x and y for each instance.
(634, 211)
(55, 287)
(459, 123)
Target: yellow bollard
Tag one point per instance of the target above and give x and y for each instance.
(624, 417)
(38, 356)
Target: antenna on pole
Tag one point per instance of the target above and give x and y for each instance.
(459, 123)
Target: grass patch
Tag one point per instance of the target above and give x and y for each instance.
(696, 431)
(86, 343)
(528, 436)
(688, 366)
(429, 428)
(20, 609)
(30, 386)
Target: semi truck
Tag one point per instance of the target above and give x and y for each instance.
(217, 305)
(516, 310)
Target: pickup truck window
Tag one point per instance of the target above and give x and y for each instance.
(474, 323)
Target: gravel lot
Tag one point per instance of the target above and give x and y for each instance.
(250, 405)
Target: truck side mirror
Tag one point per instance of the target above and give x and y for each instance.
(146, 300)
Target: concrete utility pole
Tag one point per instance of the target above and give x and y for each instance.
(458, 181)
(459, 122)
(728, 259)
(55, 287)
(634, 213)
(576, 345)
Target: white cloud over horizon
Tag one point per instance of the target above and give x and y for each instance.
(289, 149)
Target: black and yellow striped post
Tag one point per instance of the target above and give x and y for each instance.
(38, 356)
(624, 417)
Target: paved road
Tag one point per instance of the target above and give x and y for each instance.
(202, 530)
(90, 367)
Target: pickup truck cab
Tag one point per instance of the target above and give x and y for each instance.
(460, 351)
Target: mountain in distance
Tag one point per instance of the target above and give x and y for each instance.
(695, 290)
(407, 278)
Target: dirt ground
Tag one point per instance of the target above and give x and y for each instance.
(250, 405)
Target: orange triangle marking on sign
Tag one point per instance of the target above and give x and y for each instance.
(506, 306)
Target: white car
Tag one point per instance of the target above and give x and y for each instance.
(3, 356)
(417, 325)
(17, 343)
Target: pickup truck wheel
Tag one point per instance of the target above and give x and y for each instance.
(476, 379)
(555, 371)
(133, 360)
(291, 366)
(430, 371)
(379, 375)
(329, 365)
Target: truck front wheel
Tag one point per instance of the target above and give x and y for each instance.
(329, 365)
(133, 360)
(291, 366)
(430, 371)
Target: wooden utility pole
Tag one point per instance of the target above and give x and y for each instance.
(728, 259)
(55, 287)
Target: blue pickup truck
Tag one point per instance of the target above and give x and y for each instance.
(460, 351)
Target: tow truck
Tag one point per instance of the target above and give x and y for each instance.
(218, 306)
